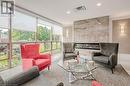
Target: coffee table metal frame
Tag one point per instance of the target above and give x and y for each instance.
(88, 74)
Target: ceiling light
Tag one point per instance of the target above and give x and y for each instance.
(68, 12)
(99, 4)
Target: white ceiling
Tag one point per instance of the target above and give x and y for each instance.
(56, 9)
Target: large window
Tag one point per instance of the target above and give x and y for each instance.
(3, 56)
(4, 62)
(3, 35)
(16, 59)
(22, 36)
(56, 38)
(26, 29)
(23, 30)
(24, 22)
(45, 47)
(44, 35)
(4, 21)
(57, 33)
(43, 32)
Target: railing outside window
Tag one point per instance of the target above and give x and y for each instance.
(49, 46)
(4, 56)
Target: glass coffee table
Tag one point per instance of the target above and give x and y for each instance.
(80, 71)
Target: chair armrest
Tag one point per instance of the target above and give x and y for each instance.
(76, 52)
(44, 56)
(96, 54)
(113, 60)
(28, 63)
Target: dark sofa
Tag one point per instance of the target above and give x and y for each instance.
(108, 54)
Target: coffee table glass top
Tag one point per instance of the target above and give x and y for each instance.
(82, 70)
(79, 71)
(78, 67)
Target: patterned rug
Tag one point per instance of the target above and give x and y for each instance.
(105, 77)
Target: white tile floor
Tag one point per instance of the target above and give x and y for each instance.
(124, 60)
(16, 70)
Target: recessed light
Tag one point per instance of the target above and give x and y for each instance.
(68, 12)
(99, 4)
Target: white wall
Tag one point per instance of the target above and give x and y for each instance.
(110, 24)
(68, 34)
(124, 60)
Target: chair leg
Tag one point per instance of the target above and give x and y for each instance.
(48, 67)
(60, 84)
(112, 70)
(77, 58)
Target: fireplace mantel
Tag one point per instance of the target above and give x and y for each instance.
(86, 49)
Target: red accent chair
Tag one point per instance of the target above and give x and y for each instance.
(31, 57)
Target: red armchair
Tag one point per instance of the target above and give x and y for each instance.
(31, 57)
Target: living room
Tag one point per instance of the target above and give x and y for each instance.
(64, 43)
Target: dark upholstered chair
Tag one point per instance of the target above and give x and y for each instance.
(108, 54)
(69, 52)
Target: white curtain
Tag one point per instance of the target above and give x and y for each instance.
(24, 22)
(44, 22)
(4, 21)
(57, 29)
